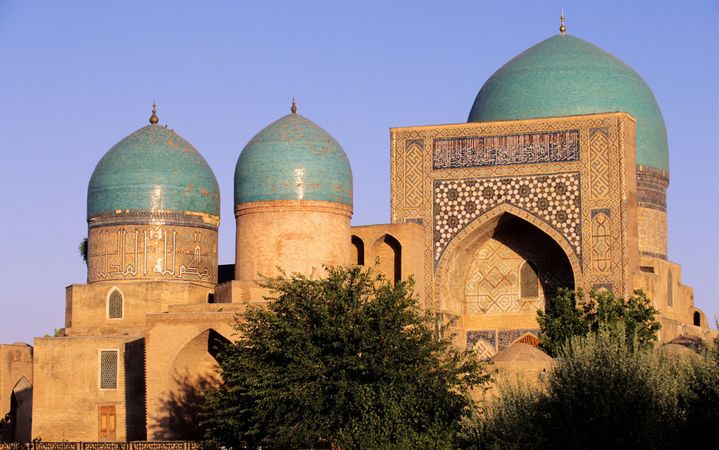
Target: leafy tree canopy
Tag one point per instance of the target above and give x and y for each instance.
(570, 314)
(347, 361)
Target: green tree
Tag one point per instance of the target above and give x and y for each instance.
(570, 314)
(347, 361)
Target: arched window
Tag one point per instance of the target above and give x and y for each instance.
(389, 252)
(115, 304)
(697, 319)
(358, 247)
(529, 281)
(670, 289)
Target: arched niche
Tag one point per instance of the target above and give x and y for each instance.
(388, 251)
(21, 411)
(481, 270)
(194, 370)
(198, 358)
(357, 250)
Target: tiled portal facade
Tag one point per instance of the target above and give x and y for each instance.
(570, 187)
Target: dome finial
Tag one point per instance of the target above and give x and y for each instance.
(562, 28)
(153, 118)
(294, 106)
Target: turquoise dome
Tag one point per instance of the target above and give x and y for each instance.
(153, 169)
(293, 159)
(565, 75)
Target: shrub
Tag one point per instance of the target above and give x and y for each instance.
(606, 392)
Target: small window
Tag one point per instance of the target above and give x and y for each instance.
(670, 289)
(529, 281)
(697, 319)
(108, 369)
(115, 304)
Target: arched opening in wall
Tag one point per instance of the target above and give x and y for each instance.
(697, 319)
(388, 252)
(20, 424)
(194, 370)
(115, 304)
(512, 268)
(670, 289)
(357, 250)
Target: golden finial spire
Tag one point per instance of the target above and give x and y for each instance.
(294, 106)
(562, 28)
(153, 118)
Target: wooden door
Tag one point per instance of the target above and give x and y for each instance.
(108, 423)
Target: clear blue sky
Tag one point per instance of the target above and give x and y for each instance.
(78, 76)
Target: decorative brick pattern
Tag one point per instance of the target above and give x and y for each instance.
(414, 174)
(652, 232)
(599, 165)
(553, 198)
(601, 241)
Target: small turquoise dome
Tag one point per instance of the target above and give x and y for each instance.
(293, 159)
(153, 169)
(565, 75)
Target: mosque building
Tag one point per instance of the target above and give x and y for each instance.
(557, 179)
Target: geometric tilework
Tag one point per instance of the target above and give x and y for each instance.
(492, 282)
(552, 198)
(493, 274)
(484, 342)
(488, 342)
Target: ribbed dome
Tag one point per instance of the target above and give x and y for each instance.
(293, 159)
(153, 169)
(565, 75)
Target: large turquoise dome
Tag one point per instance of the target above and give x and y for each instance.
(293, 159)
(565, 75)
(153, 169)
